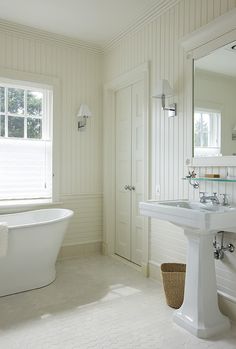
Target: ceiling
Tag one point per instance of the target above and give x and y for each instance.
(95, 21)
(221, 61)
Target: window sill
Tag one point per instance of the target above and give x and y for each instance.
(19, 205)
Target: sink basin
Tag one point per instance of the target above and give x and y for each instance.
(194, 205)
(184, 204)
(191, 214)
(200, 312)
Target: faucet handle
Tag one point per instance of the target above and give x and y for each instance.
(202, 193)
(215, 200)
(202, 197)
(225, 199)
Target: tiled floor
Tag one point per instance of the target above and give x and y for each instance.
(96, 302)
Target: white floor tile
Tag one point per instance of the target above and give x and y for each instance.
(96, 302)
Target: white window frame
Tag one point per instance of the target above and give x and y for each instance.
(20, 78)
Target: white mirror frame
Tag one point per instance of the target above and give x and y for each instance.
(199, 44)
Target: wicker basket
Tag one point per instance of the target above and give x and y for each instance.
(173, 275)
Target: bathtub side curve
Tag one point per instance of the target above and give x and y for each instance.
(31, 257)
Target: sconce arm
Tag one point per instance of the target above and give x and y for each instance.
(172, 107)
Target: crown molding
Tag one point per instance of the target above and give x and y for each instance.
(43, 35)
(151, 14)
(58, 39)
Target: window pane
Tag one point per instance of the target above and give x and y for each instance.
(15, 126)
(205, 140)
(2, 126)
(205, 123)
(2, 99)
(27, 167)
(15, 101)
(34, 128)
(34, 103)
(197, 129)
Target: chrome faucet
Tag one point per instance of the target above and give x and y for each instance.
(213, 198)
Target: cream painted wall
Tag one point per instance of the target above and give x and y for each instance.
(217, 91)
(157, 42)
(79, 72)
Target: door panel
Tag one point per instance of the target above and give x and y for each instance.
(129, 171)
(123, 172)
(137, 229)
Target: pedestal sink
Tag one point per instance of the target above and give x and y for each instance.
(199, 313)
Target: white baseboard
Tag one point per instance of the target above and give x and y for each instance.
(226, 305)
(80, 250)
(104, 248)
(154, 271)
(145, 269)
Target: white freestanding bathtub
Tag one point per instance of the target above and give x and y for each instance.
(34, 240)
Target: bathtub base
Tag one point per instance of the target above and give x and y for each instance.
(28, 285)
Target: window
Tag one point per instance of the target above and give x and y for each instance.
(25, 141)
(207, 133)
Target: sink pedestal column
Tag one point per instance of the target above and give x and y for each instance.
(200, 313)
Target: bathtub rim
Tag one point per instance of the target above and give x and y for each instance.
(69, 214)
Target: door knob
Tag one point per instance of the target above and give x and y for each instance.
(127, 187)
(133, 187)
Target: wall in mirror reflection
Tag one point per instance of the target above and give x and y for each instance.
(215, 104)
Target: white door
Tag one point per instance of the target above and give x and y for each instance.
(137, 226)
(123, 172)
(129, 171)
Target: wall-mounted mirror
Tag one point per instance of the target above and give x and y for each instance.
(214, 121)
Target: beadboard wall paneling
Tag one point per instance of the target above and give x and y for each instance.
(218, 187)
(79, 72)
(86, 224)
(170, 240)
(157, 42)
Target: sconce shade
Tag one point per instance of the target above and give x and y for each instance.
(84, 111)
(163, 88)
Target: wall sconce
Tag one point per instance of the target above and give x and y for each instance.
(83, 114)
(164, 91)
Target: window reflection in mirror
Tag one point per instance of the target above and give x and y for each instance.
(207, 133)
(214, 121)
